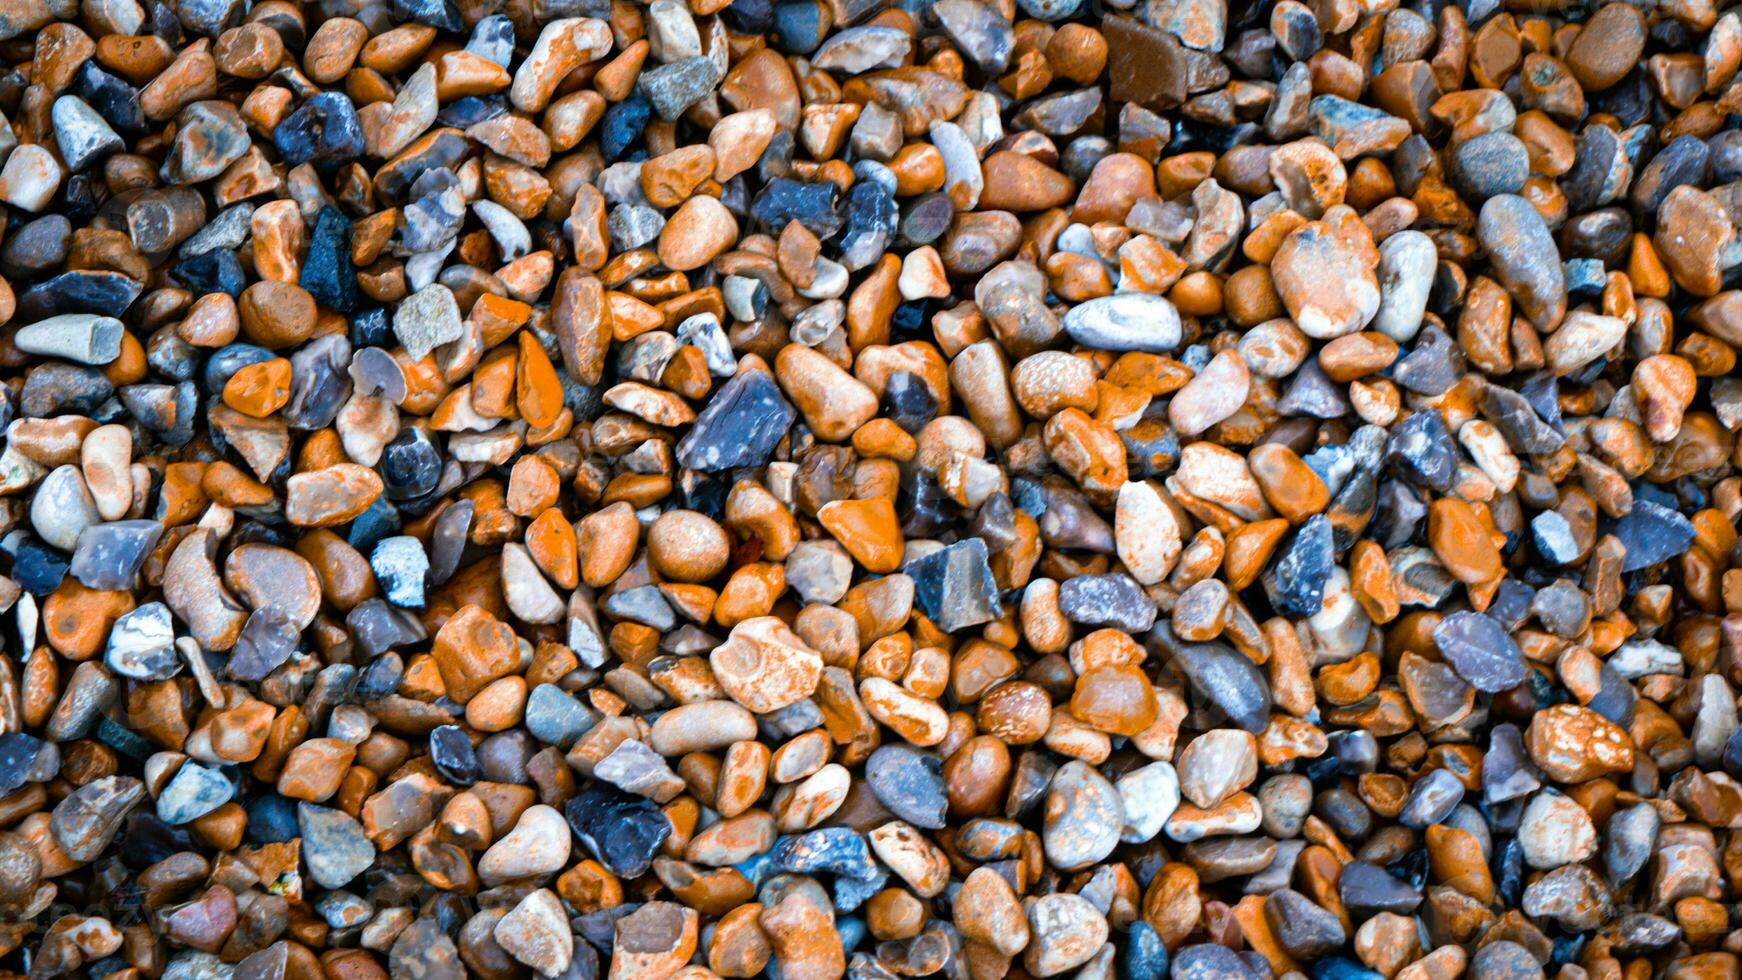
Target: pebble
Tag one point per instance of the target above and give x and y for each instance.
(1325, 273)
(192, 792)
(1084, 817)
(1480, 650)
(1525, 258)
(1125, 322)
(141, 644)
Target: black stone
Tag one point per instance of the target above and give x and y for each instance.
(1600, 169)
(1366, 890)
(908, 401)
(440, 14)
(1628, 840)
(167, 410)
(1229, 680)
(113, 99)
(815, 206)
(1601, 234)
(1432, 366)
(378, 627)
(58, 387)
(910, 783)
(223, 365)
(36, 247)
(925, 509)
(37, 568)
(799, 27)
(216, 271)
(1424, 451)
(1686, 160)
(1525, 431)
(327, 272)
(471, 110)
(83, 291)
(1726, 156)
(620, 831)
(1511, 604)
(1142, 956)
(871, 221)
(1114, 600)
(740, 426)
(320, 383)
(1211, 961)
(622, 126)
(267, 640)
(271, 818)
(1301, 927)
(171, 356)
(1480, 650)
(1340, 968)
(749, 16)
(146, 840)
(1296, 582)
(1585, 278)
(1652, 533)
(410, 466)
(954, 586)
(209, 17)
(833, 850)
(26, 759)
(372, 328)
(1489, 164)
(450, 751)
(322, 130)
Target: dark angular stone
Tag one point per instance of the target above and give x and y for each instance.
(216, 271)
(622, 126)
(1432, 366)
(910, 783)
(1301, 927)
(79, 291)
(378, 627)
(26, 759)
(267, 641)
(740, 425)
(57, 388)
(37, 568)
(115, 100)
(1479, 649)
(1652, 533)
(954, 587)
(815, 206)
(749, 16)
(109, 556)
(327, 272)
(1296, 582)
(322, 130)
(440, 14)
(799, 27)
(1525, 432)
(1366, 889)
(1211, 961)
(620, 831)
(1114, 600)
(1229, 680)
(871, 220)
(1424, 452)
